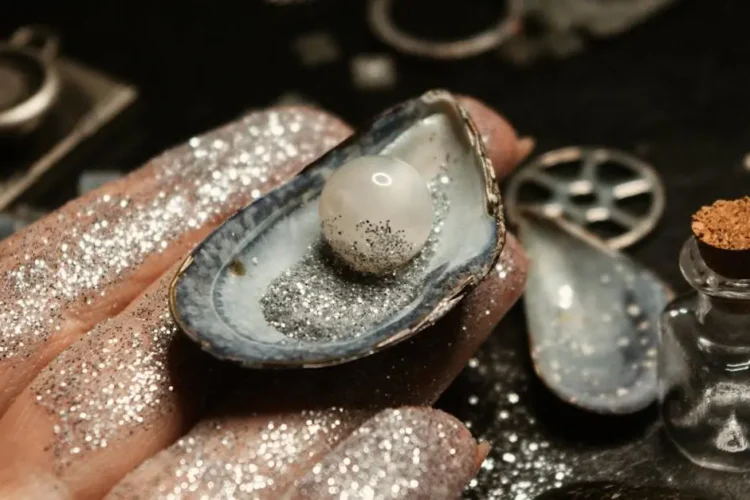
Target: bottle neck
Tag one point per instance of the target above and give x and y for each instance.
(716, 291)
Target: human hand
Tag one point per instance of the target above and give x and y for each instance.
(96, 383)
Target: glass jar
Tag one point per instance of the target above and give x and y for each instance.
(704, 367)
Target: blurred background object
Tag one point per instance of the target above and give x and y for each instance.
(29, 83)
(382, 22)
(52, 106)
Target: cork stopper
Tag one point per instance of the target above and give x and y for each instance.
(723, 234)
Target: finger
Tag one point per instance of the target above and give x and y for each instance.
(287, 421)
(404, 453)
(60, 395)
(86, 261)
(89, 416)
(398, 452)
(241, 454)
(500, 138)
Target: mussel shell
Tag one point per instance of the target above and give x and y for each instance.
(593, 317)
(460, 262)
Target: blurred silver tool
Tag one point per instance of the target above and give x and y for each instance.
(563, 21)
(593, 188)
(600, 18)
(381, 22)
(29, 82)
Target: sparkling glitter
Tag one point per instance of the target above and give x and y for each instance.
(232, 458)
(48, 272)
(399, 454)
(116, 379)
(336, 303)
(521, 463)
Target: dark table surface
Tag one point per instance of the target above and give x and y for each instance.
(673, 90)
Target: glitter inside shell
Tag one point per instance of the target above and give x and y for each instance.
(262, 291)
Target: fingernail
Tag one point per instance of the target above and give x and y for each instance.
(524, 147)
(409, 452)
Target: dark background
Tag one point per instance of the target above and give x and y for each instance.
(675, 91)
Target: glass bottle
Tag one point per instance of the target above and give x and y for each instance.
(704, 367)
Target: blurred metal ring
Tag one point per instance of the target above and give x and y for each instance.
(379, 15)
(31, 49)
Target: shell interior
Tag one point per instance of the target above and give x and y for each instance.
(593, 317)
(258, 259)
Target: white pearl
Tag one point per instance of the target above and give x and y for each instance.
(376, 213)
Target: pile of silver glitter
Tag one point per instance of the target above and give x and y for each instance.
(321, 299)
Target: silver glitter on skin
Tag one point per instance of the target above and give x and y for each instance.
(121, 237)
(114, 380)
(319, 299)
(247, 457)
(398, 454)
(414, 372)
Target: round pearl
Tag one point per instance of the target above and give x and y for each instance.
(376, 213)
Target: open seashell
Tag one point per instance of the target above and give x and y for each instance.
(266, 290)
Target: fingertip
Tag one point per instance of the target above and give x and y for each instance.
(524, 147)
(483, 449)
(445, 449)
(500, 138)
